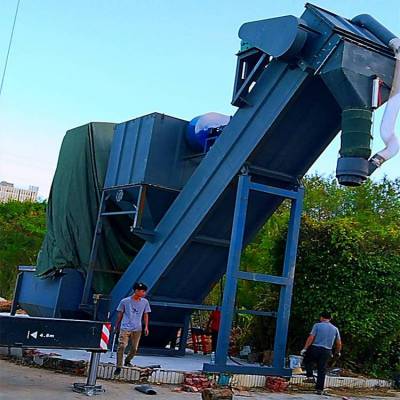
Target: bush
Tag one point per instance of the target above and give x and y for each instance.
(353, 270)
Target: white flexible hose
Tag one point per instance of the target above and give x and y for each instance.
(391, 113)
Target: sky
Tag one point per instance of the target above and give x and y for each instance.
(77, 61)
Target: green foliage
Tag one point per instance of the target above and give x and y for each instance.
(22, 228)
(352, 269)
(348, 262)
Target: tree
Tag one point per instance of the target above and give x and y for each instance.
(22, 228)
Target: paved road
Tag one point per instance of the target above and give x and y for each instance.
(19, 382)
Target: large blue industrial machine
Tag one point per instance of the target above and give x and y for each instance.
(194, 193)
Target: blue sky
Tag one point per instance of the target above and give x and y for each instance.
(76, 61)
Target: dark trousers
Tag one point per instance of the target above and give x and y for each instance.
(319, 356)
(214, 338)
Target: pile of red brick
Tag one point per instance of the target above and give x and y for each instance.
(276, 384)
(196, 383)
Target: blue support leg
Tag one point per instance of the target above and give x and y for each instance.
(235, 250)
(87, 290)
(285, 298)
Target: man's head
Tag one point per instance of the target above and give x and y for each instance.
(140, 289)
(325, 316)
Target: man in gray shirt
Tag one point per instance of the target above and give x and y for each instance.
(318, 349)
(131, 311)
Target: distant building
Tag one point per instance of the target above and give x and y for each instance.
(9, 192)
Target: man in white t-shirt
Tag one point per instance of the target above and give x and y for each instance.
(131, 311)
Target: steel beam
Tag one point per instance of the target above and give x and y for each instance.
(252, 276)
(201, 307)
(210, 240)
(110, 213)
(289, 194)
(268, 173)
(258, 313)
(235, 251)
(93, 253)
(204, 307)
(285, 298)
(241, 93)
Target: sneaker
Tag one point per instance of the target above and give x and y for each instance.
(117, 371)
(128, 364)
(320, 392)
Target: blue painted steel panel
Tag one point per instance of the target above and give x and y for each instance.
(59, 296)
(151, 149)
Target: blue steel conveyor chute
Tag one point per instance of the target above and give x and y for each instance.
(301, 74)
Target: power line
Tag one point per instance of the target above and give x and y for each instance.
(9, 47)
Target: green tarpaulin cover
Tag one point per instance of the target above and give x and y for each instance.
(73, 207)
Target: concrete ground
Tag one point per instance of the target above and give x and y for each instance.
(21, 382)
(191, 362)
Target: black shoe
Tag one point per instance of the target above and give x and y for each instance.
(117, 371)
(127, 364)
(320, 392)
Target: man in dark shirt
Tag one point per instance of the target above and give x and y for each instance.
(318, 349)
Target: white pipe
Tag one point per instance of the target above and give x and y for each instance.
(390, 115)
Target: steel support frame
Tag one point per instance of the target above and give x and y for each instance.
(87, 290)
(86, 296)
(233, 274)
